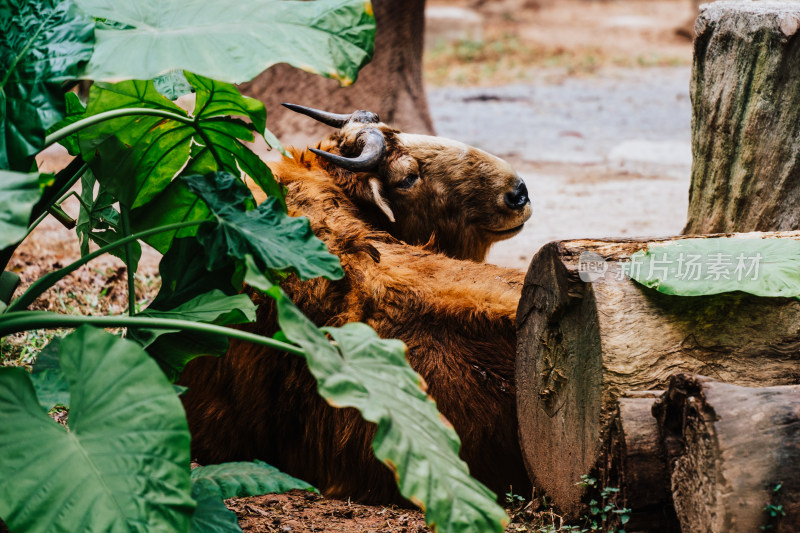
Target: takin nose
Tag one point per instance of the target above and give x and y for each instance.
(518, 198)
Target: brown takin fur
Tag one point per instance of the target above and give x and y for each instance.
(456, 317)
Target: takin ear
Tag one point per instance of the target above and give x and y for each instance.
(377, 198)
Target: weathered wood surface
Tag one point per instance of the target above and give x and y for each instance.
(580, 345)
(745, 91)
(633, 460)
(390, 85)
(730, 447)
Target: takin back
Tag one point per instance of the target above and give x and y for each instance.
(409, 216)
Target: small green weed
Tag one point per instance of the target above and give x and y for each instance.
(512, 499)
(604, 515)
(21, 349)
(773, 509)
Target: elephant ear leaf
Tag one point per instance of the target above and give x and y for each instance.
(277, 241)
(698, 267)
(41, 45)
(334, 38)
(19, 193)
(136, 157)
(242, 479)
(48, 379)
(123, 463)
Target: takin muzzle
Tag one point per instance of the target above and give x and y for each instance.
(450, 197)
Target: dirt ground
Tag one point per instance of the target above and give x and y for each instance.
(587, 98)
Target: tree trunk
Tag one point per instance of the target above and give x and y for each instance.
(745, 92)
(580, 345)
(732, 447)
(390, 85)
(633, 460)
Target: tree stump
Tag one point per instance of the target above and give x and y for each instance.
(633, 459)
(390, 85)
(580, 345)
(731, 448)
(745, 91)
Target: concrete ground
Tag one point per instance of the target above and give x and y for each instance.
(603, 156)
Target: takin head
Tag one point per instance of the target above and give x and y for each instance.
(423, 190)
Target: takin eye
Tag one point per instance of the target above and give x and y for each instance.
(409, 181)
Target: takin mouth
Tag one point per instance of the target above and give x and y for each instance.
(509, 231)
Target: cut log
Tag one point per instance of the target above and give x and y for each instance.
(745, 91)
(390, 85)
(633, 460)
(735, 455)
(580, 345)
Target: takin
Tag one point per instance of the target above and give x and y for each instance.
(409, 217)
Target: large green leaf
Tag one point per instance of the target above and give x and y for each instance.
(136, 157)
(230, 41)
(48, 379)
(217, 99)
(242, 479)
(173, 84)
(184, 275)
(18, 194)
(371, 374)
(124, 463)
(185, 283)
(100, 222)
(211, 516)
(176, 203)
(9, 281)
(276, 240)
(212, 307)
(190, 291)
(696, 267)
(173, 349)
(42, 43)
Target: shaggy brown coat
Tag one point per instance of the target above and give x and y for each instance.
(455, 316)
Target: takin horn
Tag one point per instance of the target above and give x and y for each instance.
(335, 120)
(371, 154)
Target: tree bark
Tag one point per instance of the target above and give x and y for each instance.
(731, 447)
(390, 85)
(633, 460)
(580, 345)
(745, 91)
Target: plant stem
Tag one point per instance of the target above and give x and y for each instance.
(42, 216)
(27, 320)
(126, 231)
(59, 196)
(61, 216)
(66, 131)
(48, 280)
